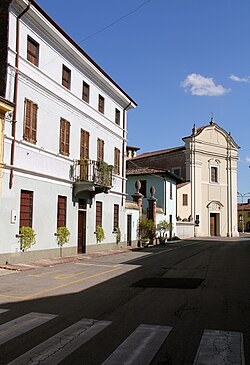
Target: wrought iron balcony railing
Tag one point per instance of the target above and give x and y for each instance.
(96, 172)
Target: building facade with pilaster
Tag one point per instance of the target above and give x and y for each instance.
(208, 161)
(65, 147)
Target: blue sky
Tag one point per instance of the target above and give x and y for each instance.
(180, 60)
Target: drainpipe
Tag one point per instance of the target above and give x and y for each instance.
(231, 200)
(228, 196)
(12, 156)
(123, 151)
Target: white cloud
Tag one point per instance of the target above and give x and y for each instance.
(202, 86)
(247, 159)
(239, 79)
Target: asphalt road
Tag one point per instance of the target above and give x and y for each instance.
(183, 303)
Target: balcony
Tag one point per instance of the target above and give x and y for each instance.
(91, 177)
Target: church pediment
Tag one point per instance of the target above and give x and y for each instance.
(215, 205)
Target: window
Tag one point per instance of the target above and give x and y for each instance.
(98, 214)
(143, 189)
(116, 216)
(117, 116)
(85, 92)
(84, 155)
(214, 174)
(26, 208)
(248, 214)
(101, 104)
(61, 211)
(30, 121)
(64, 137)
(32, 51)
(84, 152)
(100, 149)
(184, 199)
(171, 191)
(66, 77)
(117, 161)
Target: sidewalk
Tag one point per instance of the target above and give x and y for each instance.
(50, 262)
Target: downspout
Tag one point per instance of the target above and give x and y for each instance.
(231, 200)
(194, 185)
(12, 156)
(228, 199)
(123, 151)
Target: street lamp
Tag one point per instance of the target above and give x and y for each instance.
(242, 215)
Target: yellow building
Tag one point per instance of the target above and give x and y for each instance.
(244, 217)
(5, 106)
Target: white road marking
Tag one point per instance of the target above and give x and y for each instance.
(56, 348)
(101, 265)
(140, 347)
(220, 347)
(3, 310)
(23, 324)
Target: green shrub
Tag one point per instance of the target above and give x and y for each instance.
(27, 237)
(62, 235)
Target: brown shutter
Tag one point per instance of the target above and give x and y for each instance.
(26, 208)
(117, 116)
(84, 152)
(85, 92)
(61, 211)
(32, 51)
(99, 213)
(100, 150)
(64, 137)
(30, 121)
(117, 161)
(116, 216)
(171, 191)
(184, 199)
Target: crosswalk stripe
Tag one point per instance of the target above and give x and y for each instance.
(140, 347)
(3, 310)
(56, 348)
(220, 347)
(23, 324)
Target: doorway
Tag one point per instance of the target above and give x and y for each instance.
(129, 229)
(214, 224)
(81, 242)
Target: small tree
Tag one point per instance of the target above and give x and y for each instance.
(27, 237)
(146, 229)
(62, 235)
(100, 236)
(118, 234)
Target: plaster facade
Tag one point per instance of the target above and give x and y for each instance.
(39, 166)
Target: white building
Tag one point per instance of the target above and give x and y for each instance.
(208, 161)
(69, 117)
(165, 184)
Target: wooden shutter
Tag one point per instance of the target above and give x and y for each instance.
(61, 211)
(64, 137)
(26, 208)
(66, 77)
(30, 121)
(84, 152)
(116, 216)
(100, 150)
(85, 92)
(99, 213)
(101, 104)
(184, 199)
(32, 51)
(117, 116)
(117, 161)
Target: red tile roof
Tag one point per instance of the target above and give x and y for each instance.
(183, 184)
(160, 152)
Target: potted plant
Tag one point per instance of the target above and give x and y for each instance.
(118, 234)
(27, 237)
(146, 230)
(163, 227)
(62, 235)
(100, 236)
